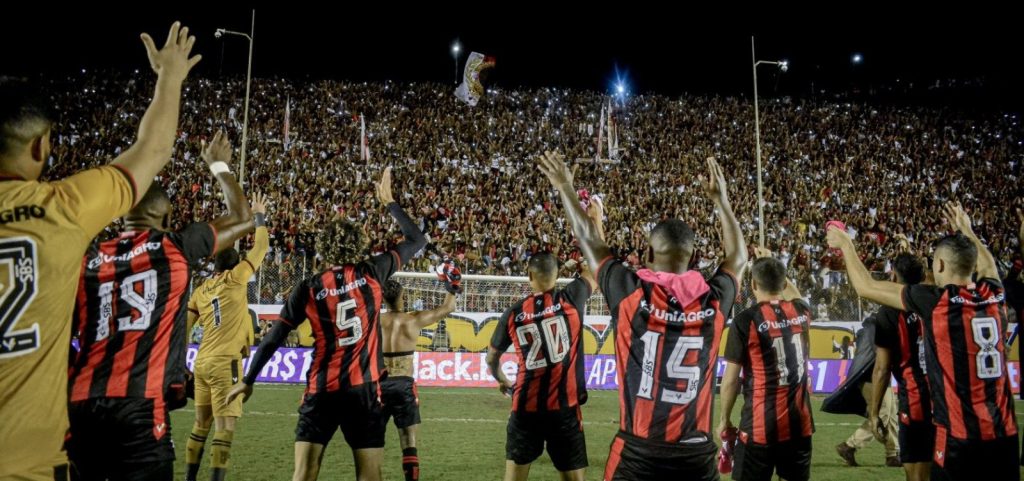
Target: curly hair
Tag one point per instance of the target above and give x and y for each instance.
(342, 242)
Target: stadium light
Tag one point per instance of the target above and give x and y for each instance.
(783, 66)
(621, 89)
(456, 48)
(857, 58)
(219, 33)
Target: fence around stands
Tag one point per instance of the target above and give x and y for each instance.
(830, 297)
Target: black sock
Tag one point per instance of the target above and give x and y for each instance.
(410, 464)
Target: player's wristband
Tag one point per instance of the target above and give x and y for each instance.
(261, 219)
(219, 167)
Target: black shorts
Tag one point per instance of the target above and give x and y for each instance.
(561, 430)
(356, 410)
(401, 401)
(917, 442)
(757, 462)
(635, 459)
(956, 459)
(118, 438)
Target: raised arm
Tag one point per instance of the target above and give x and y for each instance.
(958, 219)
(414, 239)
(732, 238)
(1020, 233)
(883, 292)
(155, 141)
(261, 244)
(423, 319)
(589, 235)
(238, 220)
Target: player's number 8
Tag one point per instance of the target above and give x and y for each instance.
(989, 361)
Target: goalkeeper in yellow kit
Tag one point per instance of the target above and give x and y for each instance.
(221, 307)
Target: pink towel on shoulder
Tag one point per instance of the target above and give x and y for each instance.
(686, 287)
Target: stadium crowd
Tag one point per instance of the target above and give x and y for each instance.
(883, 170)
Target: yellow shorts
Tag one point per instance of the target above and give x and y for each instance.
(215, 377)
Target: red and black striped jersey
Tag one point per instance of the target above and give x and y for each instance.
(965, 357)
(900, 333)
(343, 307)
(771, 342)
(546, 330)
(666, 349)
(130, 313)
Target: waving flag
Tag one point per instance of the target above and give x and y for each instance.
(364, 145)
(472, 87)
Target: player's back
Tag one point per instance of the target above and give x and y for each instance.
(666, 349)
(773, 347)
(343, 306)
(400, 332)
(546, 330)
(44, 230)
(130, 315)
(966, 357)
(901, 333)
(223, 312)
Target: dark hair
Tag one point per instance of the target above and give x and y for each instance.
(227, 259)
(543, 264)
(24, 113)
(155, 199)
(342, 242)
(770, 275)
(964, 253)
(677, 233)
(909, 269)
(391, 292)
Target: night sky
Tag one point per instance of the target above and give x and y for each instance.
(652, 47)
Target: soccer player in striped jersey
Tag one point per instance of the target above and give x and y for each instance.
(899, 352)
(963, 319)
(668, 324)
(770, 342)
(546, 329)
(343, 305)
(130, 319)
(45, 228)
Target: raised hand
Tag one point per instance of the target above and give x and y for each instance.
(218, 150)
(172, 61)
(552, 164)
(259, 204)
(384, 188)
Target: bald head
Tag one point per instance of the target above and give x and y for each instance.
(672, 242)
(543, 264)
(153, 209)
(543, 271)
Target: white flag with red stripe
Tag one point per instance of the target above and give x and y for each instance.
(364, 145)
